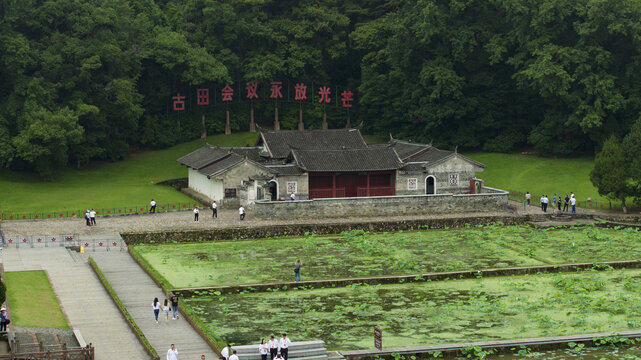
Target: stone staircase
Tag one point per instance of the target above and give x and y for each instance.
(301, 350)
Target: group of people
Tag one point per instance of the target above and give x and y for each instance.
(276, 349)
(90, 217)
(568, 201)
(214, 211)
(157, 306)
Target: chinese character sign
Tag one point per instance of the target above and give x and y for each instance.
(227, 93)
(251, 90)
(301, 92)
(324, 93)
(202, 96)
(274, 90)
(179, 102)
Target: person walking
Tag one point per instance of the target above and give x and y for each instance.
(214, 210)
(172, 353)
(4, 320)
(233, 355)
(528, 197)
(273, 347)
(573, 203)
(92, 216)
(174, 306)
(263, 349)
(241, 212)
(567, 202)
(284, 345)
(196, 211)
(156, 306)
(165, 311)
(87, 217)
(297, 266)
(225, 352)
(546, 201)
(152, 206)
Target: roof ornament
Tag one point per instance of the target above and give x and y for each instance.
(260, 128)
(456, 149)
(390, 136)
(431, 140)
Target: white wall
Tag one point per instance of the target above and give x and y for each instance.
(211, 188)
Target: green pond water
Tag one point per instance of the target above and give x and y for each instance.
(595, 353)
(358, 254)
(433, 312)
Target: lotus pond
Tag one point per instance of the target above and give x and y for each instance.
(422, 313)
(358, 253)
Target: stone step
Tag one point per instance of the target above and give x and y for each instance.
(292, 347)
(334, 355)
(301, 353)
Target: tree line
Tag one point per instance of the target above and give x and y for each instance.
(90, 80)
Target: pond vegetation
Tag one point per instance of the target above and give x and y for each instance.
(359, 254)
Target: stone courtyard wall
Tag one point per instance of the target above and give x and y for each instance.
(490, 200)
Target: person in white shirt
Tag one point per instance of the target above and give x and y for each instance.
(225, 352)
(214, 210)
(92, 215)
(284, 345)
(233, 356)
(528, 197)
(152, 204)
(196, 211)
(172, 353)
(263, 349)
(292, 196)
(241, 212)
(573, 203)
(156, 306)
(273, 347)
(87, 217)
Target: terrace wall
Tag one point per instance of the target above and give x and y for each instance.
(490, 200)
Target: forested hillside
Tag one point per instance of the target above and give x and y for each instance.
(82, 80)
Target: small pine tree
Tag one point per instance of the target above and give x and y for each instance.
(609, 175)
(3, 292)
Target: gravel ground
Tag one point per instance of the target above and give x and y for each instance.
(183, 220)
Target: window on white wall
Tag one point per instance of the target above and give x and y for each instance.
(453, 179)
(292, 187)
(412, 184)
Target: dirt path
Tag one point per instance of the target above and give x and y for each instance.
(183, 220)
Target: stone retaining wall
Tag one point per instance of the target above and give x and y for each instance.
(232, 233)
(490, 200)
(400, 279)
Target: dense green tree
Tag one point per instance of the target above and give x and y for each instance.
(610, 173)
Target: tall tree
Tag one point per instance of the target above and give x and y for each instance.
(610, 173)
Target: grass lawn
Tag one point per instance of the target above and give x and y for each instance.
(358, 254)
(432, 312)
(32, 301)
(105, 185)
(538, 175)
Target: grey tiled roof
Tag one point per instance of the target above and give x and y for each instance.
(290, 169)
(406, 150)
(203, 156)
(367, 159)
(252, 153)
(222, 164)
(430, 155)
(280, 143)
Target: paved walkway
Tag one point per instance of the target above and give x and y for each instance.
(137, 291)
(87, 305)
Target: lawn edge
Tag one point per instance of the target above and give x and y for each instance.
(123, 311)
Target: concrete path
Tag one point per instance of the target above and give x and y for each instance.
(137, 291)
(85, 302)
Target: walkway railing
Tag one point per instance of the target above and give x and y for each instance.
(83, 353)
(89, 244)
(80, 214)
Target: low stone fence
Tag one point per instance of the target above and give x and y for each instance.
(490, 200)
(268, 231)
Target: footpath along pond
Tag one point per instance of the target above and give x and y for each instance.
(358, 254)
(432, 312)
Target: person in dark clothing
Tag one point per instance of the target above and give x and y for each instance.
(567, 202)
